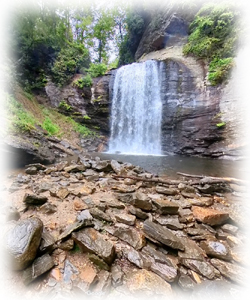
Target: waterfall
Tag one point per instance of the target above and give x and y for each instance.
(136, 111)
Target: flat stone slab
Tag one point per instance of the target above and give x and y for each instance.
(130, 235)
(166, 191)
(192, 250)
(23, 242)
(234, 272)
(125, 218)
(90, 240)
(40, 266)
(163, 235)
(201, 267)
(172, 222)
(143, 282)
(209, 216)
(166, 207)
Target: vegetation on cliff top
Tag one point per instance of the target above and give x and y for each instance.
(213, 36)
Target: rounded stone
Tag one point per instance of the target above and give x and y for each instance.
(22, 242)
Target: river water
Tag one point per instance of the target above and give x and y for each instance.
(169, 165)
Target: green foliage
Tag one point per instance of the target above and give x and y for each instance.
(85, 81)
(222, 124)
(86, 117)
(65, 106)
(98, 69)
(20, 119)
(213, 36)
(219, 70)
(83, 130)
(49, 126)
(136, 22)
(69, 60)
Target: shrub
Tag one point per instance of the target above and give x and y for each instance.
(213, 36)
(65, 106)
(96, 70)
(85, 81)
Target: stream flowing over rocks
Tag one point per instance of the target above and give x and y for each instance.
(100, 228)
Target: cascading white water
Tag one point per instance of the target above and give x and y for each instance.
(137, 109)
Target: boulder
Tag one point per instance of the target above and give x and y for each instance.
(117, 167)
(209, 216)
(138, 213)
(23, 242)
(163, 235)
(92, 241)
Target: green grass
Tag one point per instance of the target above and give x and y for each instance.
(20, 119)
(50, 127)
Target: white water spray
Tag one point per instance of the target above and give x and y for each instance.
(137, 109)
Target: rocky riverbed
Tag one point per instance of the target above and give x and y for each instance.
(100, 228)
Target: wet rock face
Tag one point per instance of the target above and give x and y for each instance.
(23, 242)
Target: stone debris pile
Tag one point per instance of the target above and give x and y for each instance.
(88, 231)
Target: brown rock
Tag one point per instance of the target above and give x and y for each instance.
(142, 201)
(92, 241)
(125, 218)
(79, 204)
(145, 282)
(209, 216)
(201, 267)
(166, 191)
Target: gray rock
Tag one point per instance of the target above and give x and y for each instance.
(201, 267)
(48, 208)
(166, 191)
(98, 262)
(192, 250)
(40, 266)
(32, 199)
(75, 168)
(100, 215)
(142, 201)
(38, 166)
(172, 222)
(85, 216)
(117, 167)
(130, 235)
(231, 271)
(23, 242)
(186, 283)
(102, 165)
(102, 283)
(166, 207)
(163, 235)
(73, 227)
(229, 228)
(135, 258)
(138, 213)
(216, 249)
(117, 275)
(164, 271)
(126, 198)
(92, 241)
(31, 171)
(47, 241)
(125, 218)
